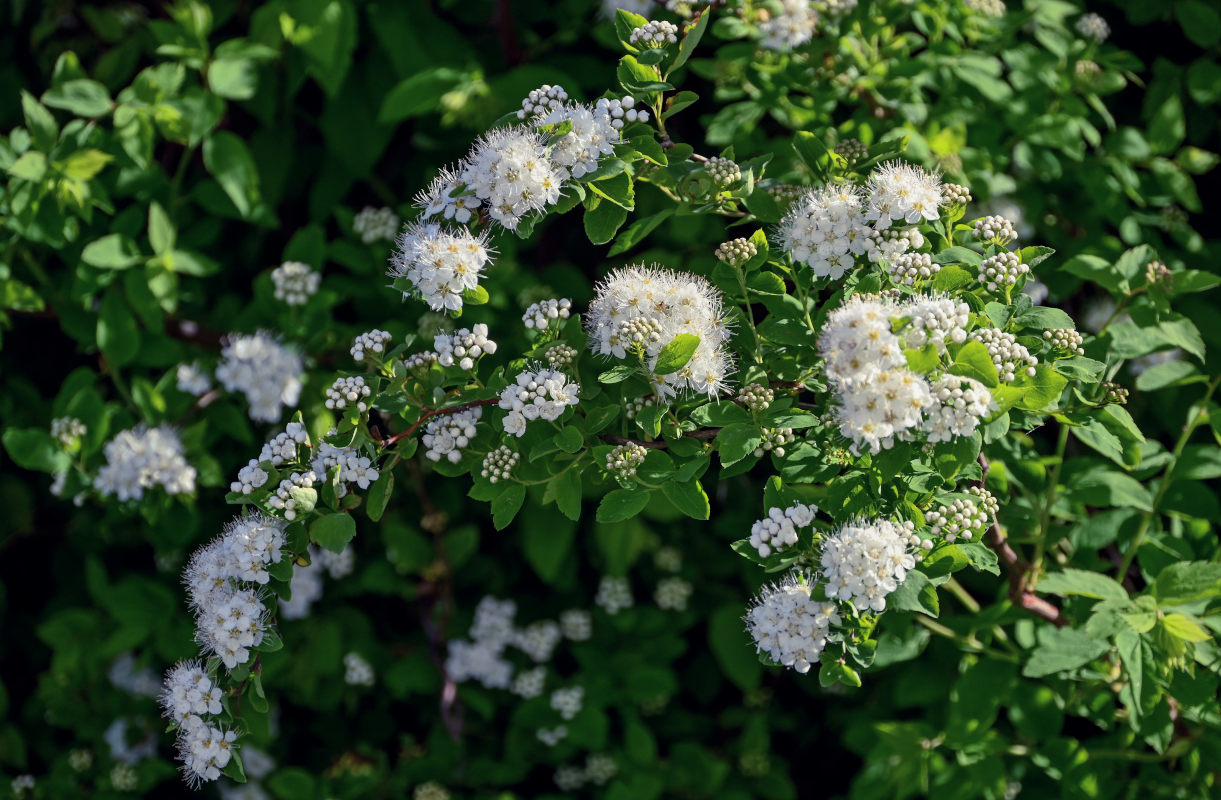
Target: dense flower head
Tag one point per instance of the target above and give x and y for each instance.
(353, 466)
(529, 683)
(1008, 355)
(724, 171)
(654, 34)
(357, 671)
(1065, 339)
(375, 224)
(192, 379)
(371, 342)
(188, 695)
(283, 500)
(142, 458)
(899, 192)
(856, 341)
(827, 229)
(205, 751)
(593, 136)
(614, 594)
(538, 640)
(778, 530)
(576, 624)
(1093, 26)
(498, 464)
(283, 446)
(773, 440)
(441, 263)
(669, 303)
(295, 283)
(789, 625)
(267, 372)
(909, 268)
(539, 315)
(447, 197)
(672, 593)
(463, 347)
(962, 518)
(621, 111)
(447, 435)
(560, 355)
(623, 460)
(889, 405)
(348, 391)
(537, 394)
(511, 171)
(542, 100)
(939, 319)
(67, 430)
(961, 404)
(1001, 271)
(866, 560)
(792, 27)
(994, 228)
(568, 702)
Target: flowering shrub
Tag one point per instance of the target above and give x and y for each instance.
(853, 416)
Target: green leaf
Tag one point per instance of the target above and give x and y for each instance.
(507, 504)
(737, 441)
(676, 354)
(616, 374)
(621, 504)
(688, 497)
(476, 297)
(234, 78)
(973, 361)
(691, 38)
(568, 493)
(1168, 373)
(117, 334)
(227, 158)
(950, 277)
(419, 94)
(1105, 487)
(333, 531)
(379, 494)
(161, 233)
(1188, 582)
(1042, 318)
(40, 123)
(618, 189)
(32, 166)
(546, 547)
(1185, 628)
(1084, 583)
(84, 164)
(603, 220)
(636, 232)
(1042, 390)
(112, 251)
(83, 97)
(234, 770)
(732, 647)
(815, 153)
(35, 449)
(1062, 649)
(915, 593)
(570, 439)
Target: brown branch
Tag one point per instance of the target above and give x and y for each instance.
(436, 412)
(1017, 568)
(703, 433)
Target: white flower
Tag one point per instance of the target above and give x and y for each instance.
(644, 309)
(479, 661)
(789, 29)
(593, 136)
(142, 458)
(621, 111)
(295, 282)
(538, 394)
(373, 341)
(614, 594)
(283, 500)
(542, 100)
(872, 414)
(576, 624)
(283, 446)
(672, 593)
(1092, 26)
(826, 230)
(538, 640)
(899, 192)
(1001, 270)
(961, 519)
(510, 170)
(937, 319)
(778, 530)
(440, 263)
(357, 671)
(568, 701)
(654, 34)
(448, 197)
(498, 465)
(856, 341)
(961, 403)
(353, 467)
(373, 224)
(337, 565)
(192, 379)
(1008, 355)
(205, 751)
(529, 683)
(539, 315)
(446, 435)
(188, 695)
(864, 561)
(267, 372)
(68, 430)
(463, 347)
(348, 391)
(430, 790)
(790, 626)
(600, 768)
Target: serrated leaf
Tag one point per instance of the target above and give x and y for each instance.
(621, 504)
(676, 354)
(507, 504)
(333, 531)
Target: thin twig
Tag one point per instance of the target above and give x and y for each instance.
(436, 412)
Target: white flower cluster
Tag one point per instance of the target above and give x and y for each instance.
(631, 408)
(420, 361)
(756, 397)
(348, 391)
(448, 197)
(736, 252)
(511, 172)
(1008, 355)
(357, 671)
(851, 150)
(576, 624)
(901, 192)
(441, 263)
(672, 594)
(669, 559)
(538, 394)
(67, 430)
(911, 267)
(938, 319)
(1065, 339)
(723, 170)
(142, 458)
(890, 243)
(961, 404)
(373, 341)
(538, 640)
(960, 519)
(989, 8)
(529, 683)
(778, 530)
(773, 440)
(463, 347)
(543, 100)
(599, 769)
(654, 34)
(481, 658)
(986, 501)
(430, 790)
(593, 135)
(568, 701)
(994, 228)
(866, 560)
(622, 110)
(1001, 270)
(561, 355)
(956, 194)
(792, 27)
(192, 379)
(249, 478)
(283, 500)
(669, 303)
(283, 446)
(353, 467)
(539, 315)
(498, 464)
(295, 283)
(188, 695)
(445, 436)
(375, 224)
(1093, 26)
(789, 625)
(827, 229)
(614, 594)
(623, 460)
(267, 372)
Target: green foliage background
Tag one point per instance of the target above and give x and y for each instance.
(163, 159)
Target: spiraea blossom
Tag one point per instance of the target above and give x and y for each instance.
(593, 136)
(789, 625)
(376, 224)
(446, 436)
(866, 560)
(1008, 354)
(205, 751)
(614, 594)
(463, 347)
(192, 379)
(889, 405)
(540, 315)
(778, 530)
(938, 319)
(899, 192)
(539, 393)
(654, 34)
(645, 308)
(353, 467)
(357, 671)
(856, 341)
(826, 230)
(961, 404)
(349, 391)
(295, 283)
(68, 430)
(511, 171)
(142, 458)
(622, 111)
(791, 28)
(283, 446)
(188, 695)
(440, 263)
(370, 343)
(542, 100)
(447, 197)
(267, 372)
